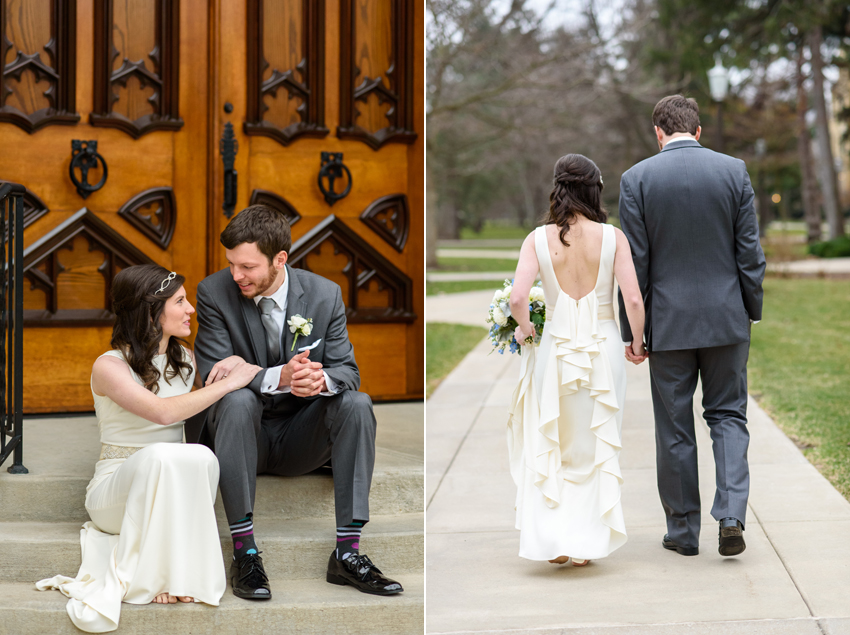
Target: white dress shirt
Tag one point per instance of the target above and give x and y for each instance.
(271, 379)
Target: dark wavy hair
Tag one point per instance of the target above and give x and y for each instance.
(576, 189)
(137, 331)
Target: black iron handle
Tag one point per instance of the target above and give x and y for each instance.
(86, 157)
(332, 169)
(229, 147)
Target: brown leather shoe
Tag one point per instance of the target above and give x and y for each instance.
(731, 537)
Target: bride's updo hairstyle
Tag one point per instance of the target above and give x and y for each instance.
(577, 189)
(138, 331)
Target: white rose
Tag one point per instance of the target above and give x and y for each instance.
(537, 295)
(497, 296)
(499, 317)
(295, 323)
(505, 294)
(308, 328)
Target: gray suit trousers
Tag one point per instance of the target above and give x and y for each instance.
(723, 371)
(249, 441)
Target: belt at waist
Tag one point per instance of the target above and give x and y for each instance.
(109, 451)
(605, 312)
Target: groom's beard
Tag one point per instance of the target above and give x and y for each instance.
(259, 288)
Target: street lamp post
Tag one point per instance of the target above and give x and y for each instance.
(718, 83)
(761, 197)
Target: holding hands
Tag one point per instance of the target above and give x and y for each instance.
(636, 353)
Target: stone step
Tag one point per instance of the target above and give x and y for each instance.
(308, 607)
(60, 454)
(292, 549)
(397, 486)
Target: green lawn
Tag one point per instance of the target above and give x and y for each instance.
(799, 369)
(436, 288)
(445, 346)
(476, 264)
(491, 231)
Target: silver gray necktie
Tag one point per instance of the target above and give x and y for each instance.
(272, 331)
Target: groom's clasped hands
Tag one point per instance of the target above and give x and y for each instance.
(305, 378)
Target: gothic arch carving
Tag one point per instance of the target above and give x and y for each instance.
(161, 72)
(60, 70)
(42, 268)
(303, 80)
(264, 197)
(157, 224)
(364, 266)
(389, 217)
(392, 85)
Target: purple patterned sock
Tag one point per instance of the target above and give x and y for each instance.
(348, 539)
(242, 532)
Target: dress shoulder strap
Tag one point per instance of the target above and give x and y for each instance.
(544, 262)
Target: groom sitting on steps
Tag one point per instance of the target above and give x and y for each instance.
(299, 413)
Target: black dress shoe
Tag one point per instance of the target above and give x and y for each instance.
(249, 579)
(731, 537)
(684, 551)
(359, 572)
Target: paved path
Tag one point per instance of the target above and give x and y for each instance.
(820, 267)
(793, 578)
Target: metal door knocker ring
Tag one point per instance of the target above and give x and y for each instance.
(85, 157)
(332, 169)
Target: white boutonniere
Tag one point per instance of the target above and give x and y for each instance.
(299, 326)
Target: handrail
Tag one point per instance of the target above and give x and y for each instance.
(12, 325)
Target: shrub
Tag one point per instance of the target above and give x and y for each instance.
(838, 248)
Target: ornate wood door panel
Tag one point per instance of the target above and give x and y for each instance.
(130, 75)
(299, 78)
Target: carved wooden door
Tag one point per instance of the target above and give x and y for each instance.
(130, 76)
(303, 81)
(149, 82)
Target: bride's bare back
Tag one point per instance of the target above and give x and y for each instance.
(577, 266)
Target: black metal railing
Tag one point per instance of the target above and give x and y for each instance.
(12, 326)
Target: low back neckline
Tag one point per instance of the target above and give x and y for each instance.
(598, 264)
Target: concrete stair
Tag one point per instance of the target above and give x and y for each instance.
(41, 514)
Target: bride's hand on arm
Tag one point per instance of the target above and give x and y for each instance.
(111, 377)
(526, 272)
(223, 368)
(624, 271)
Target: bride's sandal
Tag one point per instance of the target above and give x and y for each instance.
(580, 563)
(560, 560)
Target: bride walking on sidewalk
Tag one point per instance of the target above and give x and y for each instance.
(566, 411)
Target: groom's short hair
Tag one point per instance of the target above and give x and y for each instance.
(262, 225)
(676, 114)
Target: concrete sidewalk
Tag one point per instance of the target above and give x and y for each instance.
(794, 576)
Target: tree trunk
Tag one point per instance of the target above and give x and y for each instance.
(432, 221)
(829, 182)
(808, 188)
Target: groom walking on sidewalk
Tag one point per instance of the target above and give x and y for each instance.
(688, 215)
(300, 412)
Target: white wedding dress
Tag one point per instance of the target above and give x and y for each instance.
(153, 527)
(566, 418)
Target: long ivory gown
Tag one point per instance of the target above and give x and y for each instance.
(566, 418)
(153, 527)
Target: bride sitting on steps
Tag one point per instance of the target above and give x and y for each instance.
(152, 535)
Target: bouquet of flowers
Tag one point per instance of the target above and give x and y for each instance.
(503, 324)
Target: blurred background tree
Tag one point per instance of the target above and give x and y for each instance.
(511, 87)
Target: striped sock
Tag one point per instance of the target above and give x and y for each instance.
(242, 532)
(348, 539)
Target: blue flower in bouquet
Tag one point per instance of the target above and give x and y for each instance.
(503, 324)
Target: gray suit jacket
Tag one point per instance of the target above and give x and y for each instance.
(229, 324)
(689, 217)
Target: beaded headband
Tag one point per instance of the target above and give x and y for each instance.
(166, 282)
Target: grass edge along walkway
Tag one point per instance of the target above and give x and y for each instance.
(799, 369)
(445, 346)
